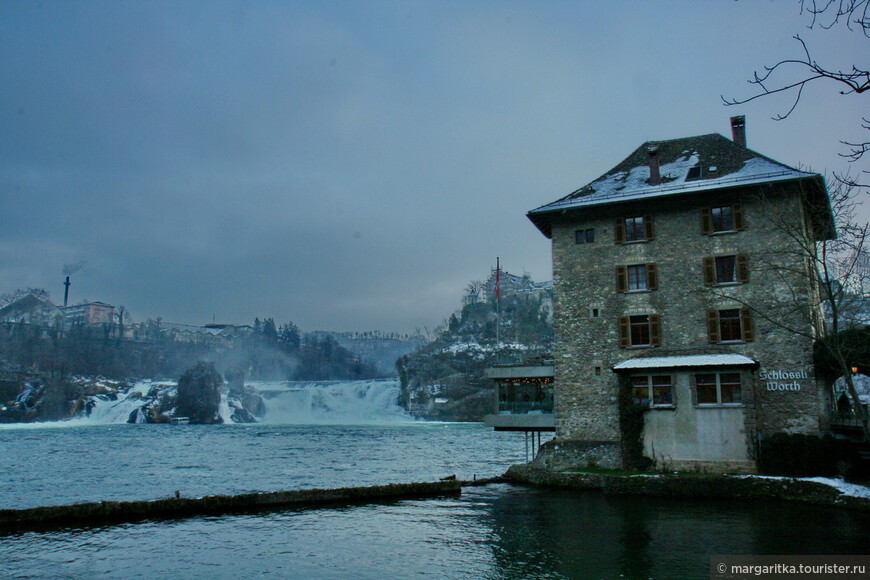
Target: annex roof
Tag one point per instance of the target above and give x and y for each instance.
(688, 165)
(695, 360)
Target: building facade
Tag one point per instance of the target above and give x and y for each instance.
(679, 277)
(89, 313)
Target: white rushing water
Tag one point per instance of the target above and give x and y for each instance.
(372, 402)
(366, 402)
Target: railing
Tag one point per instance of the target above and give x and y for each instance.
(846, 418)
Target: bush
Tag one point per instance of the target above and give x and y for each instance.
(797, 455)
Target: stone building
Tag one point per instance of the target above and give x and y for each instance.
(671, 273)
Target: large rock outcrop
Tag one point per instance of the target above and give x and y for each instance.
(199, 394)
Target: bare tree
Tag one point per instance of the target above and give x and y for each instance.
(473, 292)
(793, 75)
(822, 279)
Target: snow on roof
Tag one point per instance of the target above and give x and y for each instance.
(687, 166)
(695, 360)
(632, 184)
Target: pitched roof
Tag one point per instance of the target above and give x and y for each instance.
(715, 163)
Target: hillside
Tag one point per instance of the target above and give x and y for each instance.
(444, 380)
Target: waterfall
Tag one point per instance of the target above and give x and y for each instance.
(333, 402)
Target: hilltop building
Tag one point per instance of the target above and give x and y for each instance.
(661, 267)
(89, 313)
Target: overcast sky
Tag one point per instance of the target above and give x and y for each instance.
(353, 165)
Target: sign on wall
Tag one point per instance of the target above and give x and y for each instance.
(782, 380)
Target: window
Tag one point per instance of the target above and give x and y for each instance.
(639, 330)
(637, 277)
(585, 236)
(722, 218)
(726, 270)
(634, 229)
(653, 390)
(729, 325)
(718, 389)
(721, 270)
(725, 218)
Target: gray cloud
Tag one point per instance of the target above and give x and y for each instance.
(347, 165)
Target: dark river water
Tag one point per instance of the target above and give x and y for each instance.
(493, 531)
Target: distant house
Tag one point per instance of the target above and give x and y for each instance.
(661, 267)
(89, 313)
(31, 309)
(211, 334)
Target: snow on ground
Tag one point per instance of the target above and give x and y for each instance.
(845, 488)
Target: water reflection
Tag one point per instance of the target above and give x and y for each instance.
(578, 534)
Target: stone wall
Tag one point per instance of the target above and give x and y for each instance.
(587, 306)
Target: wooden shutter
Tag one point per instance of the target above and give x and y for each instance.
(652, 279)
(712, 326)
(746, 325)
(648, 227)
(624, 332)
(737, 216)
(655, 331)
(706, 222)
(709, 271)
(742, 268)
(621, 279)
(619, 231)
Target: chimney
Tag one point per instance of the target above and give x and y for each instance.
(66, 292)
(738, 130)
(655, 177)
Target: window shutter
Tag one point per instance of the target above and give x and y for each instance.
(712, 326)
(737, 213)
(694, 389)
(655, 333)
(621, 279)
(624, 333)
(706, 222)
(709, 272)
(619, 231)
(652, 279)
(746, 325)
(742, 268)
(648, 227)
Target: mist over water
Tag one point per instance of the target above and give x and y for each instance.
(372, 402)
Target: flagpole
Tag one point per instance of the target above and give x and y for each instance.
(497, 305)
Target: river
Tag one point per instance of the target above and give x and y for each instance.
(493, 531)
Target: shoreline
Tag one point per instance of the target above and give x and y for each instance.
(814, 491)
(183, 507)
